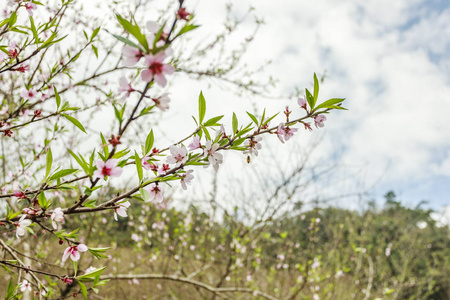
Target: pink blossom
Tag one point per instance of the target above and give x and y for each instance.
(156, 69)
(21, 226)
(315, 264)
(13, 50)
(160, 43)
(163, 169)
(145, 162)
(74, 252)
(20, 195)
(30, 6)
(25, 113)
(28, 94)
(253, 145)
(186, 178)
(195, 144)
(178, 157)
(162, 102)
(155, 193)
(108, 168)
(318, 120)
(182, 14)
(67, 280)
(214, 158)
(30, 211)
(222, 131)
(57, 216)
(25, 285)
(136, 237)
(121, 210)
(302, 103)
(153, 27)
(22, 68)
(132, 56)
(284, 133)
(125, 87)
(3, 56)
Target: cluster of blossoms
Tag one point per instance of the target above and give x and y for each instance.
(29, 6)
(155, 67)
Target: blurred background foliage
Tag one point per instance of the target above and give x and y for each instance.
(388, 252)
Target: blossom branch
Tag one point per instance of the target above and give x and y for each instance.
(8, 249)
(216, 291)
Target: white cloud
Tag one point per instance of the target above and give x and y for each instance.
(384, 57)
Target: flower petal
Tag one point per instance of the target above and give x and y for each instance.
(160, 79)
(82, 248)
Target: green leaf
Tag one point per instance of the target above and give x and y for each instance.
(118, 114)
(144, 194)
(124, 40)
(74, 122)
(50, 41)
(94, 273)
(330, 102)
(201, 107)
(75, 268)
(138, 165)
(12, 214)
(262, 118)
(94, 34)
(4, 22)
(80, 160)
(10, 291)
(310, 99)
(270, 119)
(157, 38)
(12, 19)
(245, 130)
(208, 136)
(90, 203)
(187, 27)
(253, 118)
(34, 31)
(83, 290)
(104, 145)
(316, 88)
(98, 252)
(134, 31)
(149, 142)
(43, 202)
(62, 173)
(336, 107)
(235, 123)
(213, 121)
(237, 142)
(95, 50)
(72, 235)
(49, 161)
(57, 98)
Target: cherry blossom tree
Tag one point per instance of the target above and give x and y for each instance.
(55, 71)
